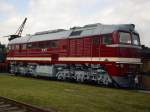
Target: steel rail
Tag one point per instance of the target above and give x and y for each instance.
(10, 105)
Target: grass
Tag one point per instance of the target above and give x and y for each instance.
(71, 97)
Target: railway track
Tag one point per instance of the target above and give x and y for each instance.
(9, 105)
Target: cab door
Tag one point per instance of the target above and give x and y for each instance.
(106, 49)
(95, 46)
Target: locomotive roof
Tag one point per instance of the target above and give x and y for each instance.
(76, 32)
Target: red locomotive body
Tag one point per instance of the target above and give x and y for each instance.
(106, 54)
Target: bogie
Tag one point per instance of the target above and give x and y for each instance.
(82, 73)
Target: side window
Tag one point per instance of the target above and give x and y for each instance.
(41, 45)
(9, 47)
(35, 45)
(24, 46)
(96, 41)
(107, 39)
(29, 45)
(47, 44)
(54, 44)
(12, 47)
(17, 47)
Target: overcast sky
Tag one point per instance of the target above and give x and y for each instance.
(53, 14)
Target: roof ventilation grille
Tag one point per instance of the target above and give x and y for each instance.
(92, 25)
(49, 31)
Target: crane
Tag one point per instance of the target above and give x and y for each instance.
(19, 31)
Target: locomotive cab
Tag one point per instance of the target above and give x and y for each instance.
(128, 48)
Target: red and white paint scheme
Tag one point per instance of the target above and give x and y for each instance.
(105, 54)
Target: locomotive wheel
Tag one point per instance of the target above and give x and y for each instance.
(79, 78)
(60, 78)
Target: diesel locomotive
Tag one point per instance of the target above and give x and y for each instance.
(104, 54)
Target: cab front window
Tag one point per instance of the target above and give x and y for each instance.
(124, 38)
(107, 39)
(135, 39)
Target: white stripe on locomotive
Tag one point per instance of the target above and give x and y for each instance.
(107, 59)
